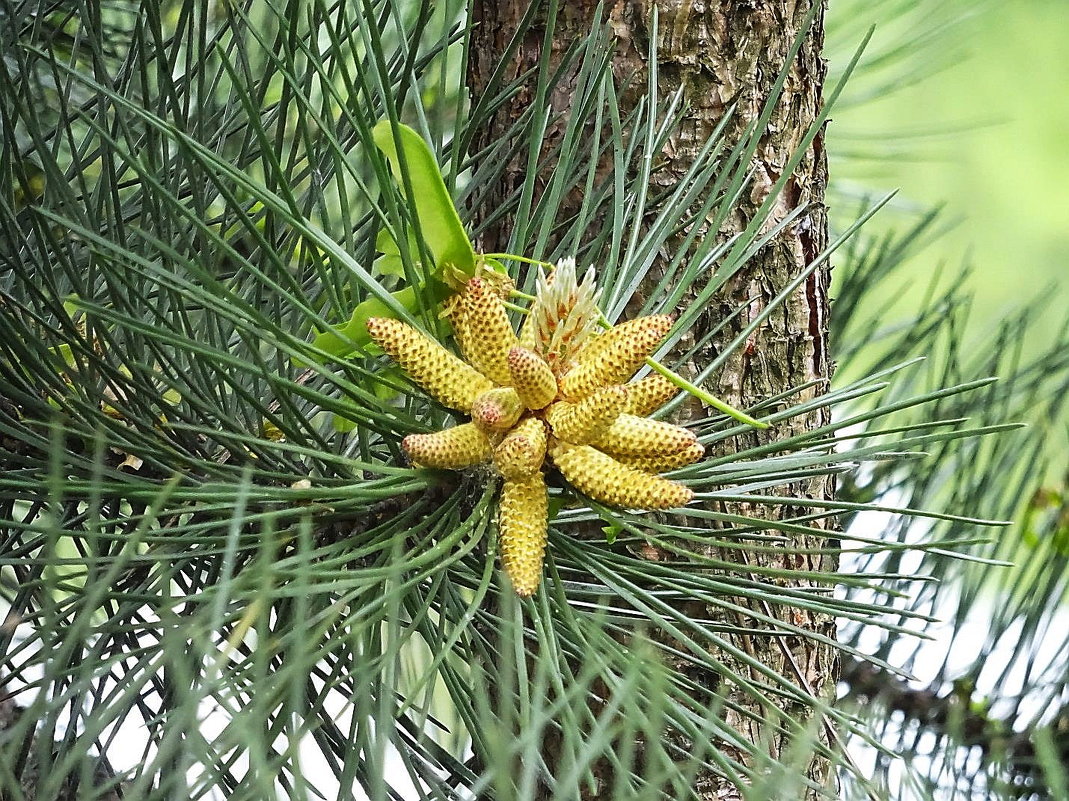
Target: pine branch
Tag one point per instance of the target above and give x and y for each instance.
(191, 198)
(958, 716)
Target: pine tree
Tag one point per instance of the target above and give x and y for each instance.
(263, 475)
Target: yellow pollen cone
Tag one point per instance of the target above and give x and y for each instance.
(640, 436)
(497, 409)
(664, 462)
(452, 449)
(488, 337)
(592, 348)
(622, 332)
(444, 376)
(588, 419)
(455, 316)
(532, 378)
(522, 451)
(522, 526)
(528, 337)
(604, 479)
(613, 357)
(649, 394)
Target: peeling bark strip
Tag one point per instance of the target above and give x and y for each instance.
(720, 53)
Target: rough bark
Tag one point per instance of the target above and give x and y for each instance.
(722, 53)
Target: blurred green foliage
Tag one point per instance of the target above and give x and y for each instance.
(985, 136)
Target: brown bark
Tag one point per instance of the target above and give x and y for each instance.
(721, 53)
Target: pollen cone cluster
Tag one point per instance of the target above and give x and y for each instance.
(559, 392)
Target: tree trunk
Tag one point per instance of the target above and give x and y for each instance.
(721, 53)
